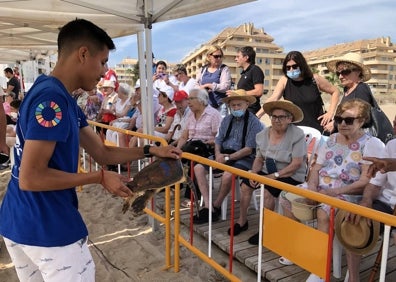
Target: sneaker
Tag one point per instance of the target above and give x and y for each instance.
(285, 261)
(314, 278)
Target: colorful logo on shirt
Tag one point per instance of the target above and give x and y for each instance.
(48, 114)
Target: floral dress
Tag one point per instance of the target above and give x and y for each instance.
(341, 165)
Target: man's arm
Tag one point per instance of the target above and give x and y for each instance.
(382, 165)
(3, 127)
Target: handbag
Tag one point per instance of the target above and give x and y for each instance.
(197, 147)
(381, 127)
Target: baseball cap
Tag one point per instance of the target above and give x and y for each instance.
(137, 84)
(168, 91)
(180, 95)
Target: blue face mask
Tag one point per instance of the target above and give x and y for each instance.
(237, 113)
(294, 74)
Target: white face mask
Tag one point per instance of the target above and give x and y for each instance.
(13, 115)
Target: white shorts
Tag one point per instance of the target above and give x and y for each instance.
(71, 263)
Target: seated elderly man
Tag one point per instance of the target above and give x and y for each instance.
(234, 145)
(379, 194)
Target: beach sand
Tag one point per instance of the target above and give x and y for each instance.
(126, 249)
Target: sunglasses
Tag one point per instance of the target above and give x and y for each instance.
(343, 72)
(347, 120)
(217, 56)
(295, 66)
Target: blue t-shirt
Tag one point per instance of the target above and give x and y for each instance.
(50, 218)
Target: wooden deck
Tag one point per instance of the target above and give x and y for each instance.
(272, 270)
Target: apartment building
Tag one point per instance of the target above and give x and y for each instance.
(269, 56)
(125, 71)
(379, 54)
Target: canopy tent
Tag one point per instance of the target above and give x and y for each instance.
(29, 26)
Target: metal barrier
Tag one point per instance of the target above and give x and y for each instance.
(387, 219)
(164, 220)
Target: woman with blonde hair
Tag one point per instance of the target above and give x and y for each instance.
(215, 76)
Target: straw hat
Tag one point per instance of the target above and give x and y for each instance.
(300, 208)
(357, 238)
(239, 94)
(353, 58)
(288, 106)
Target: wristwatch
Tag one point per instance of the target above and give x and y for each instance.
(146, 151)
(276, 174)
(227, 158)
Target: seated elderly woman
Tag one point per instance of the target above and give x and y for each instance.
(339, 170)
(201, 128)
(281, 154)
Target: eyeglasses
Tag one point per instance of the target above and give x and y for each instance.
(347, 120)
(344, 72)
(295, 66)
(279, 118)
(217, 56)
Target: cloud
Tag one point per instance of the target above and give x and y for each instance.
(294, 25)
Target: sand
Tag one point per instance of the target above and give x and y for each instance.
(125, 248)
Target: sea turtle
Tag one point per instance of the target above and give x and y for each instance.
(153, 178)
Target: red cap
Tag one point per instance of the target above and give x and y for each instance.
(180, 96)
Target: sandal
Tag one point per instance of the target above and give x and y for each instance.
(285, 261)
(186, 203)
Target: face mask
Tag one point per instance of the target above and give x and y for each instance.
(238, 113)
(294, 74)
(13, 115)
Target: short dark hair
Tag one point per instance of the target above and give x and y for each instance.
(15, 104)
(249, 52)
(9, 70)
(300, 61)
(79, 32)
(161, 63)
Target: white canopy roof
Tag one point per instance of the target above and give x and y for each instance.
(29, 27)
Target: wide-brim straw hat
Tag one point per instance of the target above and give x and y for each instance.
(357, 238)
(239, 94)
(300, 208)
(353, 58)
(288, 106)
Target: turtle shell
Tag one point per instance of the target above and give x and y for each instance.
(158, 174)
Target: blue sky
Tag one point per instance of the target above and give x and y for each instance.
(295, 25)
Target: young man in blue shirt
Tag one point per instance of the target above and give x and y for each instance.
(42, 228)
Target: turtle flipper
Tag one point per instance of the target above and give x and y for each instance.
(128, 202)
(140, 202)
